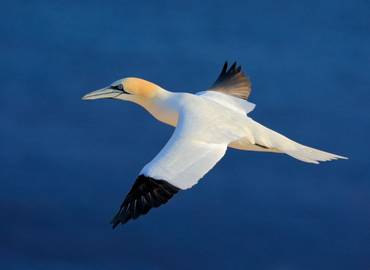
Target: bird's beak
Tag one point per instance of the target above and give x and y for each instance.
(103, 93)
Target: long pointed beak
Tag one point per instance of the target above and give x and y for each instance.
(103, 93)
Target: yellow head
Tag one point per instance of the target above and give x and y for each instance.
(126, 89)
(140, 87)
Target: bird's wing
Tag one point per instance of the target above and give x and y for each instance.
(233, 82)
(194, 148)
(228, 101)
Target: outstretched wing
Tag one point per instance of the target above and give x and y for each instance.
(194, 148)
(233, 82)
(145, 194)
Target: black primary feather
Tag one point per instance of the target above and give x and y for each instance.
(233, 82)
(145, 194)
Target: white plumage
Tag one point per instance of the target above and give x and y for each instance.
(204, 130)
(207, 123)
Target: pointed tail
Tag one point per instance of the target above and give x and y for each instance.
(261, 138)
(311, 155)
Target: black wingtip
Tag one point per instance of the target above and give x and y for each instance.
(223, 70)
(114, 225)
(115, 221)
(232, 81)
(145, 194)
(228, 72)
(232, 67)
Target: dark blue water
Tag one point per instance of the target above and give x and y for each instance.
(66, 164)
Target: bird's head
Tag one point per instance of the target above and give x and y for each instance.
(126, 89)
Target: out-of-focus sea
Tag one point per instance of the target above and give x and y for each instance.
(66, 164)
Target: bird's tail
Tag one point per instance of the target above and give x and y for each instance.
(261, 138)
(310, 155)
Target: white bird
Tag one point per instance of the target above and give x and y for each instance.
(207, 123)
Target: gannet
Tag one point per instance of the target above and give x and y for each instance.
(207, 123)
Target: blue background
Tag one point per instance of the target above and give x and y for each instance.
(66, 164)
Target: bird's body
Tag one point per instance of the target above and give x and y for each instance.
(207, 123)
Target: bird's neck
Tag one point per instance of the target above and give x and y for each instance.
(160, 107)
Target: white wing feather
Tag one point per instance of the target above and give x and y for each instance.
(228, 101)
(199, 141)
(260, 138)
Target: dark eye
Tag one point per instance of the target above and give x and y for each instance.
(117, 87)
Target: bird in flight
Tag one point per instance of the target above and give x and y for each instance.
(207, 123)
